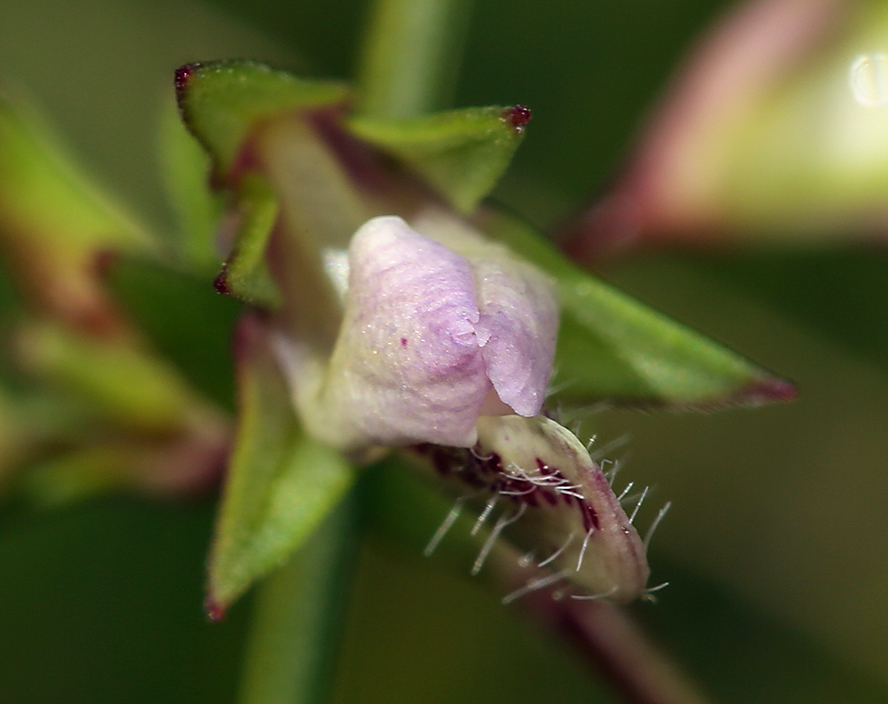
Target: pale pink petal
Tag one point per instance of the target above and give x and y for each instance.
(519, 325)
(407, 366)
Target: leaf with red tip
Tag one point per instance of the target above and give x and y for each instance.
(244, 274)
(460, 153)
(281, 483)
(613, 348)
(224, 102)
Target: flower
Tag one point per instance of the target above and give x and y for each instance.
(390, 321)
(438, 329)
(446, 344)
(771, 132)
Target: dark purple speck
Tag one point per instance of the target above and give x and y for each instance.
(183, 75)
(215, 611)
(517, 116)
(220, 283)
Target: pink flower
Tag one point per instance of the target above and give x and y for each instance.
(438, 329)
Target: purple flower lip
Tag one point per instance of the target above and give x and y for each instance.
(431, 340)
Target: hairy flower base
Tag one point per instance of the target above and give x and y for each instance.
(550, 498)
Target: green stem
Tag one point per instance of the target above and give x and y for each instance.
(292, 647)
(411, 56)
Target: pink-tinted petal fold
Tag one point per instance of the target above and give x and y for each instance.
(519, 321)
(407, 366)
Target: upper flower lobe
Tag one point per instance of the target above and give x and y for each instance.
(432, 339)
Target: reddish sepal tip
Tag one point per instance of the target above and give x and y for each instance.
(773, 390)
(220, 283)
(215, 611)
(183, 75)
(517, 116)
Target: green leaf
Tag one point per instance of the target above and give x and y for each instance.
(244, 273)
(126, 384)
(79, 474)
(281, 484)
(613, 348)
(42, 192)
(224, 102)
(55, 224)
(460, 153)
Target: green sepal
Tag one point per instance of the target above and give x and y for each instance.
(460, 153)
(613, 348)
(244, 274)
(224, 102)
(281, 484)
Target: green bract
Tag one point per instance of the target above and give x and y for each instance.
(461, 153)
(614, 348)
(280, 484)
(224, 102)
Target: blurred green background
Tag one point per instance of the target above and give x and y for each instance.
(777, 541)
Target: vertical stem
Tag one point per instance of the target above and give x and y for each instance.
(292, 646)
(411, 56)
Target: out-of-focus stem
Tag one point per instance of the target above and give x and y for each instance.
(292, 647)
(617, 647)
(411, 55)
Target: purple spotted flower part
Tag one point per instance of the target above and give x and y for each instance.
(431, 340)
(543, 493)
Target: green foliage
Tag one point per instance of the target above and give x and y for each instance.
(56, 226)
(244, 273)
(46, 198)
(224, 102)
(280, 483)
(460, 153)
(615, 349)
(126, 384)
(131, 577)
